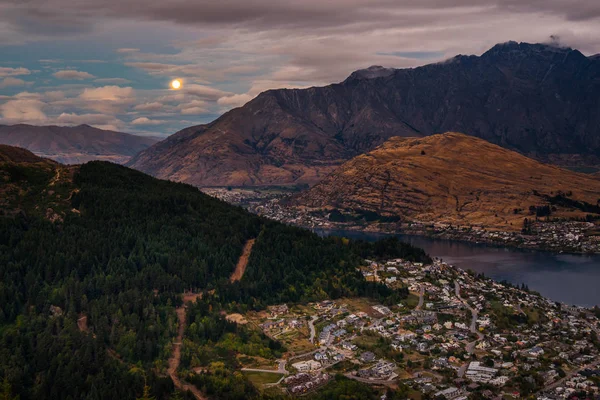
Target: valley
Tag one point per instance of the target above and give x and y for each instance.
(448, 186)
(75, 144)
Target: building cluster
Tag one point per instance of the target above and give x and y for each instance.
(455, 334)
(383, 370)
(305, 382)
(556, 235)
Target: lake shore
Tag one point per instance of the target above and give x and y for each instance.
(568, 278)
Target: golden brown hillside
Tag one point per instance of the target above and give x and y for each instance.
(454, 179)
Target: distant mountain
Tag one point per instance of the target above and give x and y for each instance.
(454, 179)
(75, 145)
(540, 100)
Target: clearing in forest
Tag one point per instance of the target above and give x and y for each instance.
(242, 262)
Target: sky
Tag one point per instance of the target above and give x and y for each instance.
(108, 63)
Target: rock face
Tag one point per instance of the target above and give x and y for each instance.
(452, 178)
(540, 100)
(75, 145)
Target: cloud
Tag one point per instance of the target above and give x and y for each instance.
(108, 93)
(193, 107)
(205, 92)
(238, 100)
(106, 99)
(10, 81)
(89, 119)
(235, 100)
(127, 50)
(146, 121)
(54, 95)
(227, 52)
(172, 70)
(154, 106)
(115, 81)
(7, 71)
(23, 110)
(72, 74)
(194, 111)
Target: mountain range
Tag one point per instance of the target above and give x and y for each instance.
(540, 100)
(453, 179)
(75, 145)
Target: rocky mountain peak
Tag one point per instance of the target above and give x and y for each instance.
(374, 71)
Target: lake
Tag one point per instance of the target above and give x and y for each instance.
(572, 279)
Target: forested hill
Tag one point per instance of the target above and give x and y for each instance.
(88, 296)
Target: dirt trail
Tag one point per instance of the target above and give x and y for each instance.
(82, 323)
(240, 268)
(176, 355)
(55, 178)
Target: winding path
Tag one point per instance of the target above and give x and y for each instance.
(176, 354)
(473, 328)
(240, 268)
(311, 326)
(421, 297)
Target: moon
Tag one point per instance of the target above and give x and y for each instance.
(175, 84)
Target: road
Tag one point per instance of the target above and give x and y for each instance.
(372, 381)
(307, 354)
(462, 370)
(55, 178)
(311, 326)
(176, 358)
(421, 297)
(240, 268)
(593, 364)
(270, 371)
(470, 348)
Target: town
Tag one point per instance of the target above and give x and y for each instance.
(456, 335)
(558, 236)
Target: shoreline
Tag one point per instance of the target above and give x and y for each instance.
(373, 229)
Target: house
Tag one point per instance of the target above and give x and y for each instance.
(441, 362)
(451, 393)
(367, 357)
(535, 351)
(324, 305)
(382, 309)
(500, 381)
(278, 309)
(273, 324)
(349, 346)
(305, 366)
(295, 324)
(479, 373)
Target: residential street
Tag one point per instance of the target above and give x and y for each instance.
(470, 348)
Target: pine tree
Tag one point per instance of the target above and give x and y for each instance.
(176, 396)
(5, 394)
(146, 395)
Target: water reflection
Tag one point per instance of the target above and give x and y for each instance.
(573, 279)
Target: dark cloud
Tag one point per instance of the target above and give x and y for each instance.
(65, 16)
(228, 51)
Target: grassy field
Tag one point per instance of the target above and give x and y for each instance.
(256, 362)
(411, 301)
(262, 378)
(360, 304)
